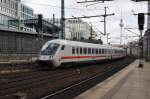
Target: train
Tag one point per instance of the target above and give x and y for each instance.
(56, 52)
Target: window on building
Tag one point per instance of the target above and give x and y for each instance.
(5, 1)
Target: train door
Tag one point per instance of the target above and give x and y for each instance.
(62, 53)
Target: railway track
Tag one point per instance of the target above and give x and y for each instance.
(39, 84)
(80, 87)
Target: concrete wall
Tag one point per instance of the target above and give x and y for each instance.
(14, 42)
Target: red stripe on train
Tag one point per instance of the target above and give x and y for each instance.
(79, 57)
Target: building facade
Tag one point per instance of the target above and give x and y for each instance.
(148, 23)
(13, 13)
(133, 49)
(26, 12)
(146, 38)
(76, 29)
(9, 10)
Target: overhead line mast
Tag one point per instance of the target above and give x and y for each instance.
(104, 15)
(62, 20)
(105, 8)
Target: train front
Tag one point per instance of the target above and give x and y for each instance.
(48, 56)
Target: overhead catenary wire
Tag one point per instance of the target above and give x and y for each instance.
(55, 6)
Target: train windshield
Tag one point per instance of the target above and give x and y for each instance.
(49, 49)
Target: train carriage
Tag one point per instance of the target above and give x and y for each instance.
(57, 52)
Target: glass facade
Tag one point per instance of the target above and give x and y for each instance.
(26, 12)
(8, 11)
(4, 20)
(11, 11)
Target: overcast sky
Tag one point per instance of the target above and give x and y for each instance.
(49, 7)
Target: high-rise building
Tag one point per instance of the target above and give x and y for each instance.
(13, 13)
(26, 12)
(9, 10)
(148, 23)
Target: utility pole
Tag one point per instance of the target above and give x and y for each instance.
(105, 20)
(62, 19)
(105, 15)
(108, 37)
(141, 21)
(91, 32)
(54, 26)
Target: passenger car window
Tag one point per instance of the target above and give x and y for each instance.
(89, 50)
(99, 51)
(85, 50)
(73, 50)
(77, 50)
(92, 50)
(96, 51)
(80, 50)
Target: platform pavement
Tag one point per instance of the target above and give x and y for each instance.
(130, 83)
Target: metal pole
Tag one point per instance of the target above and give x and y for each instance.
(147, 52)
(91, 32)
(141, 49)
(107, 37)
(62, 20)
(105, 21)
(54, 26)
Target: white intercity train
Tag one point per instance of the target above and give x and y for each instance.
(56, 52)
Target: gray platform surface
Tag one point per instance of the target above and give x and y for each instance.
(130, 83)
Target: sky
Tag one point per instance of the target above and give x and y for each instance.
(121, 8)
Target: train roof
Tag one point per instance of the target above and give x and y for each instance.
(82, 44)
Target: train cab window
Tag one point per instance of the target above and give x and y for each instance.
(73, 50)
(49, 49)
(85, 50)
(89, 50)
(80, 50)
(63, 47)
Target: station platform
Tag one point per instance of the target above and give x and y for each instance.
(130, 83)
